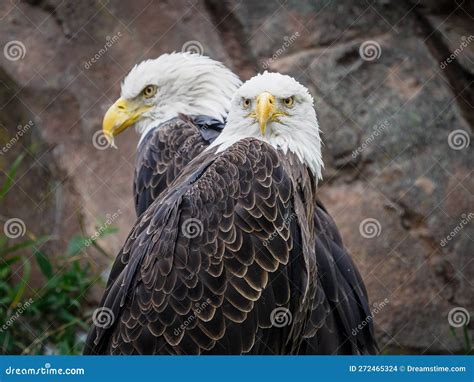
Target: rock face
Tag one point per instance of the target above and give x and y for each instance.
(393, 88)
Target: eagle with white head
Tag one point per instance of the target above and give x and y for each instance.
(281, 114)
(177, 103)
(229, 251)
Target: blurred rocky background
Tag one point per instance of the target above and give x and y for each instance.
(393, 88)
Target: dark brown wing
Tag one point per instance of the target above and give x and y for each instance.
(216, 266)
(341, 322)
(164, 152)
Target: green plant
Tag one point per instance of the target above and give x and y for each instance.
(50, 318)
(465, 338)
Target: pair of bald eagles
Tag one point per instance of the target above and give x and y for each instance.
(232, 252)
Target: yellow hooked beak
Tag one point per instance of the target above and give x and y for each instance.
(265, 109)
(121, 115)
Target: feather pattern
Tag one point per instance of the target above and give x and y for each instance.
(165, 150)
(340, 301)
(174, 292)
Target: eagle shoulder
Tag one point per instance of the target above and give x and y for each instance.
(166, 150)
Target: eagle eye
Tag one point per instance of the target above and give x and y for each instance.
(149, 91)
(289, 102)
(246, 103)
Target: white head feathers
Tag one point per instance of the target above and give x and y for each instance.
(290, 121)
(186, 83)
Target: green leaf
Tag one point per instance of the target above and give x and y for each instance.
(77, 244)
(44, 264)
(3, 241)
(68, 317)
(6, 263)
(24, 281)
(11, 176)
(24, 244)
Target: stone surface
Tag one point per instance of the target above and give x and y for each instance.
(386, 125)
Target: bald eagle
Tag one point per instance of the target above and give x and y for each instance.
(263, 246)
(178, 104)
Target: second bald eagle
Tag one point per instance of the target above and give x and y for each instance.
(178, 104)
